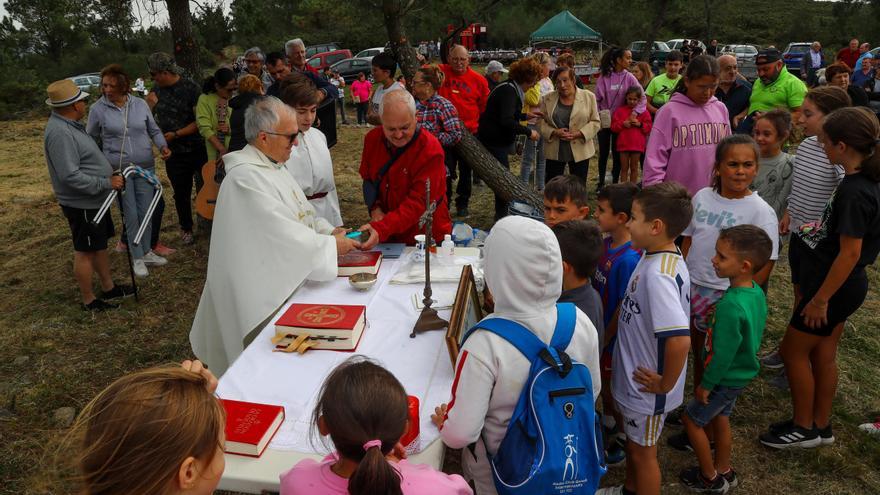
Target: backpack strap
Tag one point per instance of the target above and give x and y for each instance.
(519, 336)
(566, 317)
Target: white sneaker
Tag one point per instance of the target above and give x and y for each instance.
(871, 428)
(152, 258)
(140, 269)
(611, 490)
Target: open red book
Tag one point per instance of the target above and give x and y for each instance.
(359, 262)
(331, 326)
(250, 426)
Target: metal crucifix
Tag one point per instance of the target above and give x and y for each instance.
(428, 319)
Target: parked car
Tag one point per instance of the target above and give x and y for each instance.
(745, 59)
(313, 50)
(351, 67)
(327, 59)
(369, 53)
(676, 44)
(793, 55)
(656, 58)
(88, 81)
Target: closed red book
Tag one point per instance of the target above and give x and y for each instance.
(250, 426)
(331, 326)
(359, 262)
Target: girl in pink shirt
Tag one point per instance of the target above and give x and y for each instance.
(364, 409)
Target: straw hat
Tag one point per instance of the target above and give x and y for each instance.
(63, 93)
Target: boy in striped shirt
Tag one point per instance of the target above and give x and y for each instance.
(653, 336)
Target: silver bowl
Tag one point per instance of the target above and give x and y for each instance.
(362, 281)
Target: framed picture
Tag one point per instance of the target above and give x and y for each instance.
(466, 312)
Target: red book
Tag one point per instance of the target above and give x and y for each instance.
(337, 326)
(250, 426)
(359, 262)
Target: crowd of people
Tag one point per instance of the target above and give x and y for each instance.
(675, 261)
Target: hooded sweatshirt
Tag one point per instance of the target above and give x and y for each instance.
(523, 270)
(681, 147)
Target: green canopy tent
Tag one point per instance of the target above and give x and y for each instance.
(564, 29)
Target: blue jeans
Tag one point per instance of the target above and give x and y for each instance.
(533, 154)
(138, 195)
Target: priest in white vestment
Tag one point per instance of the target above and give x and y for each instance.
(309, 161)
(265, 242)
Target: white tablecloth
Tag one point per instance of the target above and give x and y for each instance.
(421, 364)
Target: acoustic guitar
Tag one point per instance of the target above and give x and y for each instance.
(206, 199)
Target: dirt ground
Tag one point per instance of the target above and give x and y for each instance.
(54, 355)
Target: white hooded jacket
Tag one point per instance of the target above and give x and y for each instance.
(523, 270)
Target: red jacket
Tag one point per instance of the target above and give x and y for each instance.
(630, 138)
(850, 57)
(402, 190)
(468, 92)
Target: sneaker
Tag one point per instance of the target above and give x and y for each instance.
(773, 361)
(121, 247)
(779, 381)
(694, 480)
(731, 478)
(186, 237)
(98, 305)
(118, 291)
(825, 435)
(781, 426)
(163, 250)
(154, 259)
(792, 437)
(871, 428)
(681, 441)
(673, 419)
(615, 455)
(140, 269)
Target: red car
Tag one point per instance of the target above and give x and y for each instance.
(327, 59)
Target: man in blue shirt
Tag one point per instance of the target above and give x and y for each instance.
(733, 90)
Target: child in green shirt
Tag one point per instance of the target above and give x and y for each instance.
(730, 355)
(661, 87)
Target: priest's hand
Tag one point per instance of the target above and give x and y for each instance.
(374, 236)
(377, 215)
(200, 369)
(344, 244)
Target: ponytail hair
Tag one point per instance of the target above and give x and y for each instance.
(364, 409)
(829, 98)
(858, 128)
(606, 65)
(699, 66)
(220, 78)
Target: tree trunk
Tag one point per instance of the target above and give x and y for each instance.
(708, 11)
(186, 53)
(404, 53)
(498, 178)
(659, 18)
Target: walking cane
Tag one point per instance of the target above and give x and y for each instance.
(122, 216)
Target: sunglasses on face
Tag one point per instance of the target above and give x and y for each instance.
(291, 137)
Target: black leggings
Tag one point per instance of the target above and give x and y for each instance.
(607, 145)
(182, 168)
(579, 169)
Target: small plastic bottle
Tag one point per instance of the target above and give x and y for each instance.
(447, 247)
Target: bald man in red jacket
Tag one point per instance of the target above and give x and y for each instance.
(400, 201)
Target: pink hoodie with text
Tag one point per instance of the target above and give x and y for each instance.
(681, 147)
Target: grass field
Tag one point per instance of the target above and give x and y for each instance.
(54, 355)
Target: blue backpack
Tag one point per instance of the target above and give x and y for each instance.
(553, 444)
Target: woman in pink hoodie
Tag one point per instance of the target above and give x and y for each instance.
(686, 130)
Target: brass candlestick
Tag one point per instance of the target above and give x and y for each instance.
(428, 319)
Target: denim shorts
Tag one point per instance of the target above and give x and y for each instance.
(721, 401)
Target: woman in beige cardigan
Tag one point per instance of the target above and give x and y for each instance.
(569, 124)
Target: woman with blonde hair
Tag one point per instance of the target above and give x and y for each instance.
(569, 122)
(533, 153)
(643, 73)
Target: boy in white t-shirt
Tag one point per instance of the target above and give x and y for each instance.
(653, 336)
(523, 270)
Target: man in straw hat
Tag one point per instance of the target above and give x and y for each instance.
(82, 178)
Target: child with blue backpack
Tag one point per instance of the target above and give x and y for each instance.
(523, 270)
(653, 336)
